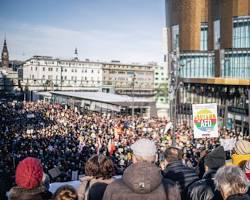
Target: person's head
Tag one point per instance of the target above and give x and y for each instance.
(65, 192)
(246, 167)
(172, 154)
(242, 147)
(231, 180)
(99, 166)
(29, 173)
(143, 150)
(215, 159)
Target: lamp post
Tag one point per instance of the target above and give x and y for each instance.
(133, 97)
(175, 84)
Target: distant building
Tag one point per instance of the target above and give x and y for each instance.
(161, 90)
(131, 79)
(42, 73)
(5, 56)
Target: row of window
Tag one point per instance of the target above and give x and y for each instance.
(128, 67)
(50, 69)
(241, 32)
(197, 66)
(236, 65)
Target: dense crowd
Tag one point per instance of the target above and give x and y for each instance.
(65, 140)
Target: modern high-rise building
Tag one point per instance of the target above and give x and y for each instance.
(211, 40)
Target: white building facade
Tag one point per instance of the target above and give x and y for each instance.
(47, 73)
(44, 73)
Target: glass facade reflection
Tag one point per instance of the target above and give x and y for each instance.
(197, 65)
(241, 32)
(236, 64)
(204, 37)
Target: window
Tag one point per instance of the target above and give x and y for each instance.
(65, 70)
(217, 34)
(57, 69)
(72, 70)
(65, 77)
(203, 37)
(92, 71)
(175, 36)
(241, 32)
(36, 68)
(43, 68)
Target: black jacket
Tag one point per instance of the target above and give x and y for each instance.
(239, 197)
(204, 189)
(182, 175)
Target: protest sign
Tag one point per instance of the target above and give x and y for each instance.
(205, 121)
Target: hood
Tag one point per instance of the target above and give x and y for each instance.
(142, 177)
(15, 192)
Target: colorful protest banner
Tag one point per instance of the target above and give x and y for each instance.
(205, 121)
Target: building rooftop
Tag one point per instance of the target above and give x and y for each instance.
(104, 97)
(112, 62)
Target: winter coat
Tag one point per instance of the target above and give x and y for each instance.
(180, 174)
(142, 181)
(86, 183)
(239, 197)
(39, 193)
(204, 189)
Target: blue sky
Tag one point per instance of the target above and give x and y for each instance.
(126, 30)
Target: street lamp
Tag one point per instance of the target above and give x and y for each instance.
(175, 84)
(133, 97)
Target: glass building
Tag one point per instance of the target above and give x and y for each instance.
(211, 39)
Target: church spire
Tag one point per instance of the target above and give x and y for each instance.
(76, 54)
(5, 54)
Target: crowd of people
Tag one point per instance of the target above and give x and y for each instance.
(61, 143)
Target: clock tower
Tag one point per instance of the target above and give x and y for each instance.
(5, 55)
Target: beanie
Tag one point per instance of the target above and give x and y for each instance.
(242, 147)
(216, 158)
(29, 173)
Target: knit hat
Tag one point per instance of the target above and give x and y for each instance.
(29, 173)
(216, 158)
(144, 147)
(242, 147)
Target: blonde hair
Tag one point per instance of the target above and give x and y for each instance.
(65, 192)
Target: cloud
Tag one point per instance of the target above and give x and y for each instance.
(26, 40)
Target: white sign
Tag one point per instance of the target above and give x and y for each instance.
(74, 176)
(228, 144)
(168, 126)
(29, 116)
(205, 121)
